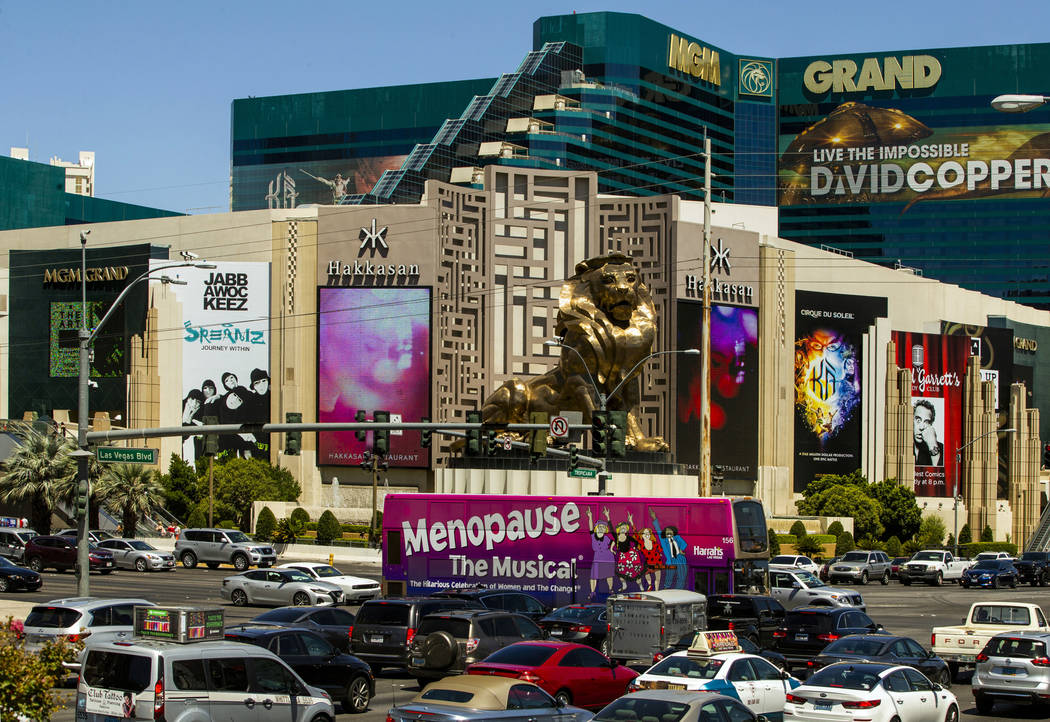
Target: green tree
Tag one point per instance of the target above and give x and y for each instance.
(328, 528)
(950, 544)
(965, 535)
(893, 546)
(847, 500)
(265, 525)
(197, 518)
(288, 530)
(835, 529)
(826, 481)
(28, 679)
(986, 534)
(774, 544)
(240, 482)
(132, 491)
(931, 532)
(809, 546)
(41, 472)
(798, 530)
(182, 488)
(300, 515)
(900, 515)
(911, 546)
(844, 543)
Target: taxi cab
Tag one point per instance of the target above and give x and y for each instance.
(716, 663)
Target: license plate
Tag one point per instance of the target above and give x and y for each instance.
(109, 564)
(675, 686)
(555, 632)
(418, 661)
(822, 707)
(801, 637)
(376, 639)
(1010, 670)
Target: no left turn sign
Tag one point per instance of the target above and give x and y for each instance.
(559, 427)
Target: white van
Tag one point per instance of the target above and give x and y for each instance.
(13, 543)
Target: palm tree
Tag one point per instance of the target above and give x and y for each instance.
(41, 472)
(130, 490)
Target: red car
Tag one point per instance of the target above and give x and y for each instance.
(572, 673)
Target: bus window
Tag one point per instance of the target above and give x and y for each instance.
(701, 580)
(749, 576)
(722, 582)
(393, 545)
(752, 537)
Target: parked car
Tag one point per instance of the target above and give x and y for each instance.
(384, 628)
(14, 578)
(473, 697)
(859, 566)
(992, 556)
(447, 642)
(201, 681)
(800, 588)
(13, 543)
(343, 676)
(1013, 667)
(1034, 568)
(960, 644)
(355, 589)
(994, 573)
(333, 623)
(825, 569)
(808, 630)
(887, 649)
(60, 553)
(574, 674)
(794, 561)
(279, 587)
(871, 692)
(746, 645)
(895, 566)
(81, 618)
(667, 704)
(933, 566)
(138, 555)
(751, 617)
(508, 601)
(580, 623)
(95, 535)
(222, 546)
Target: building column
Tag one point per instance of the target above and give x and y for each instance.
(900, 447)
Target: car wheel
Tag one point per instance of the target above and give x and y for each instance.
(140, 565)
(240, 563)
(605, 647)
(4, 584)
(953, 671)
(104, 571)
(1013, 582)
(212, 565)
(357, 695)
(301, 599)
(906, 581)
(563, 697)
(953, 714)
(995, 583)
(864, 577)
(189, 560)
(321, 718)
(983, 703)
(963, 584)
(36, 564)
(885, 579)
(938, 580)
(239, 598)
(944, 678)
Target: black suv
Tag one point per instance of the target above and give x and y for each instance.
(447, 642)
(751, 617)
(344, 677)
(1034, 568)
(384, 628)
(807, 630)
(507, 601)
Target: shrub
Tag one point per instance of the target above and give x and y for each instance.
(823, 538)
(986, 535)
(28, 678)
(844, 543)
(227, 524)
(798, 529)
(197, 519)
(287, 531)
(974, 548)
(893, 547)
(809, 546)
(300, 515)
(965, 535)
(265, 525)
(835, 529)
(312, 525)
(931, 532)
(870, 544)
(328, 528)
(911, 546)
(774, 544)
(787, 538)
(950, 543)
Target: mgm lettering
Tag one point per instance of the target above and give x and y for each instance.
(699, 61)
(92, 275)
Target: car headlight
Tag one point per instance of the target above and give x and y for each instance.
(836, 597)
(319, 591)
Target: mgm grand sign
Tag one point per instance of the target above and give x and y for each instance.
(102, 274)
(843, 75)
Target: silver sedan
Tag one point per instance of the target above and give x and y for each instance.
(138, 555)
(279, 588)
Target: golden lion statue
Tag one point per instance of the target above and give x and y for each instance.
(607, 318)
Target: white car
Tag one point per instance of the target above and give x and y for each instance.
(850, 691)
(355, 589)
(790, 562)
(747, 677)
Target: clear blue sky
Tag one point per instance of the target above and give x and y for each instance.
(148, 85)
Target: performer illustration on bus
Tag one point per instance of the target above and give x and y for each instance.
(654, 557)
(629, 561)
(674, 553)
(603, 566)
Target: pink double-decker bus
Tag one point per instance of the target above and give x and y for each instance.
(565, 549)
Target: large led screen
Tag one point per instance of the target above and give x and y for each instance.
(937, 365)
(734, 389)
(107, 352)
(374, 354)
(829, 331)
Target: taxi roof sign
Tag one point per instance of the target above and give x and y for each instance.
(707, 643)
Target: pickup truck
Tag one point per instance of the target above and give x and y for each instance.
(933, 566)
(959, 646)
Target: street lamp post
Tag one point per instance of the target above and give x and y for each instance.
(958, 475)
(82, 455)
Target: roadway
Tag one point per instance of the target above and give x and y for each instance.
(913, 611)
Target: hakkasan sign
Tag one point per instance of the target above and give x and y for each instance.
(865, 154)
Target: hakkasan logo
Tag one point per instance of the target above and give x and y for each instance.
(756, 78)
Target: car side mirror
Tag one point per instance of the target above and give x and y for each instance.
(796, 585)
(784, 674)
(761, 718)
(613, 664)
(936, 687)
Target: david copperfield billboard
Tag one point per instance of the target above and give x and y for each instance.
(937, 365)
(829, 331)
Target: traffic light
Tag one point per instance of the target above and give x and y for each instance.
(618, 433)
(424, 434)
(538, 442)
(211, 441)
(381, 437)
(293, 440)
(473, 447)
(366, 460)
(574, 457)
(83, 497)
(1046, 456)
(491, 443)
(359, 417)
(600, 433)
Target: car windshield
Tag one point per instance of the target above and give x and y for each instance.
(524, 655)
(787, 561)
(238, 537)
(327, 571)
(294, 575)
(142, 546)
(639, 708)
(927, 557)
(844, 676)
(855, 557)
(284, 614)
(989, 564)
(810, 579)
(575, 613)
(854, 645)
(459, 628)
(119, 671)
(683, 666)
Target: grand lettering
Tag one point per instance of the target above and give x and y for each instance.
(72, 275)
(843, 76)
(489, 529)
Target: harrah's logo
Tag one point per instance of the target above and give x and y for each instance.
(226, 292)
(921, 379)
(490, 529)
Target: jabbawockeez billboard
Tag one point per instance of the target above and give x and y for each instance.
(829, 331)
(937, 365)
(225, 352)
